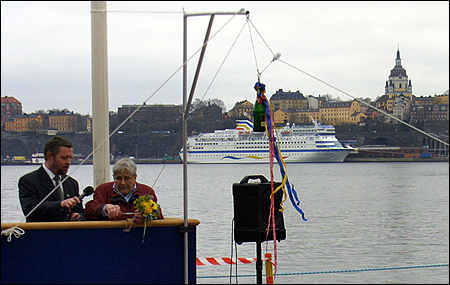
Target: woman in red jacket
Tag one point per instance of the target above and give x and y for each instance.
(114, 200)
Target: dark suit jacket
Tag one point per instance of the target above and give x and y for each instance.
(34, 186)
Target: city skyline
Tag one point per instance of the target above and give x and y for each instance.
(349, 45)
(127, 104)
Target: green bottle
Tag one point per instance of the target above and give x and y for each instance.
(259, 117)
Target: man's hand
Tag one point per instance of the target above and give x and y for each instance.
(75, 217)
(70, 203)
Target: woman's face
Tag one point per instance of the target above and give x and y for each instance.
(124, 181)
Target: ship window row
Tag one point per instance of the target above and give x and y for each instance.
(283, 147)
(266, 143)
(210, 143)
(254, 143)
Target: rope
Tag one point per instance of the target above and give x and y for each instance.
(165, 164)
(16, 231)
(221, 65)
(262, 38)
(253, 48)
(275, 55)
(341, 271)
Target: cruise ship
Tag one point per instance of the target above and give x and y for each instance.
(308, 143)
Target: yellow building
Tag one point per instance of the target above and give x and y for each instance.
(440, 99)
(281, 117)
(63, 123)
(288, 101)
(340, 113)
(305, 116)
(242, 109)
(24, 123)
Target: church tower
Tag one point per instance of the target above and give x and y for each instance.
(398, 83)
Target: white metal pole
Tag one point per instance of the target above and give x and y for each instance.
(100, 102)
(185, 180)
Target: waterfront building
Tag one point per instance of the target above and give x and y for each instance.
(56, 122)
(147, 114)
(316, 102)
(288, 100)
(24, 123)
(303, 116)
(11, 107)
(431, 112)
(64, 123)
(429, 108)
(242, 109)
(342, 112)
(401, 108)
(423, 100)
(441, 99)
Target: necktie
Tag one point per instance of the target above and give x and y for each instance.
(59, 189)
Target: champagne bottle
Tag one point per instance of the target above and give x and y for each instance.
(259, 117)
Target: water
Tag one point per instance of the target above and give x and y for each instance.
(385, 222)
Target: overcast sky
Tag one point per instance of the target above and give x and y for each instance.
(46, 50)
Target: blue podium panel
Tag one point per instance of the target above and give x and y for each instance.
(101, 255)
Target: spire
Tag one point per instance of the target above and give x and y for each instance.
(398, 61)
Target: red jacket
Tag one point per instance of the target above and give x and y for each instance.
(104, 194)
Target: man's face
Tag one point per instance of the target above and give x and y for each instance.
(59, 163)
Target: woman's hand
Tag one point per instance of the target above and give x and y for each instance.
(138, 217)
(113, 211)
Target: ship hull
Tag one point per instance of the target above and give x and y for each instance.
(301, 156)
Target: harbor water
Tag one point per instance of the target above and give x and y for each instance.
(368, 223)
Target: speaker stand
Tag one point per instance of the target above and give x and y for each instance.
(258, 263)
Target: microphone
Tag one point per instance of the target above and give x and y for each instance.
(86, 192)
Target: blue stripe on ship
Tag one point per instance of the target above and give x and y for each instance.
(249, 124)
(231, 157)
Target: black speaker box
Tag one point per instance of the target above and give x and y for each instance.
(251, 210)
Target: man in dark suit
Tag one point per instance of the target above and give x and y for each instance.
(62, 204)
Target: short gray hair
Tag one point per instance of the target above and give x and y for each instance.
(125, 164)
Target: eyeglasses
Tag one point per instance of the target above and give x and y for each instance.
(120, 179)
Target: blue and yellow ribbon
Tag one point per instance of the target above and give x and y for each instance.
(270, 130)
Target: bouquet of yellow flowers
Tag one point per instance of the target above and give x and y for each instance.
(147, 206)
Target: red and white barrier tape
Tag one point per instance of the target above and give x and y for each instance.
(223, 261)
